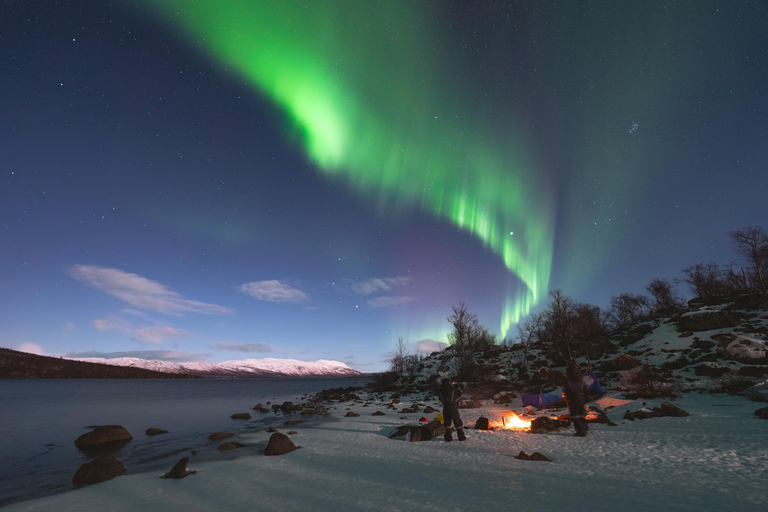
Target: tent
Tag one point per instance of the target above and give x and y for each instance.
(543, 400)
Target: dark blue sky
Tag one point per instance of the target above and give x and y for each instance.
(153, 201)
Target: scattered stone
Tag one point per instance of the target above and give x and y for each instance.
(258, 407)
(429, 409)
(217, 436)
(241, 416)
(670, 409)
(505, 398)
(292, 433)
(102, 468)
(103, 434)
(470, 404)
(155, 431)
(523, 456)
(644, 413)
(279, 444)
(272, 429)
(351, 414)
(378, 413)
(287, 406)
(539, 457)
(308, 412)
(410, 410)
(232, 445)
(179, 470)
(482, 423)
(762, 413)
(324, 412)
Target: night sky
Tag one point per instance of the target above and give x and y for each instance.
(227, 179)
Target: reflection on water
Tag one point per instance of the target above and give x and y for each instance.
(40, 420)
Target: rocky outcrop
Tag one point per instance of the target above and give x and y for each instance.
(102, 468)
(104, 434)
(279, 444)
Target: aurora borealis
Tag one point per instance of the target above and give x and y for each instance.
(315, 179)
(373, 112)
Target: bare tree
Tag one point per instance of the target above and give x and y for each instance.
(666, 300)
(708, 282)
(752, 244)
(528, 334)
(399, 361)
(557, 328)
(628, 308)
(589, 325)
(462, 339)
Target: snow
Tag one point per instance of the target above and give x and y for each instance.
(288, 367)
(713, 459)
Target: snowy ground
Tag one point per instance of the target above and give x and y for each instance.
(717, 458)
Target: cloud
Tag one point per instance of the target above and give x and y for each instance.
(387, 301)
(174, 356)
(244, 347)
(141, 292)
(383, 284)
(157, 333)
(31, 348)
(428, 346)
(66, 328)
(273, 291)
(153, 334)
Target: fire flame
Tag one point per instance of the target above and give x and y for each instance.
(515, 422)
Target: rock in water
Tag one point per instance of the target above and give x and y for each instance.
(672, 410)
(217, 436)
(155, 431)
(279, 444)
(102, 468)
(230, 446)
(241, 416)
(103, 434)
(180, 469)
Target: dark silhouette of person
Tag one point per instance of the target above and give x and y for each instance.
(575, 393)
(449, 396)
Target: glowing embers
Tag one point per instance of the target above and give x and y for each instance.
(512, 421)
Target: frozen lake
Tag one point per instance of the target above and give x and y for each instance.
(40, 420)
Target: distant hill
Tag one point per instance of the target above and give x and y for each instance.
(268, 368)
(21, 365)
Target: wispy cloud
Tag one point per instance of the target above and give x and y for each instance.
(387, 301)
(380, 284)
(273, 291)
(153, 334)
(141, 292)
(244, 347)
(174, 356)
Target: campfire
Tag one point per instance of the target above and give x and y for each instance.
(512, 421)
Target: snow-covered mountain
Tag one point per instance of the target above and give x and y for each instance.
(238, 369)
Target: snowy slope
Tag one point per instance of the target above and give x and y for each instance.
(239, 369)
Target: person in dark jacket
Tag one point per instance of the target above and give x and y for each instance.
(449, 396)
(575, 394)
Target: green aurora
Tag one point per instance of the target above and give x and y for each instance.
(375, 104)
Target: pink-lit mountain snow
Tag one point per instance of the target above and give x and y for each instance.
(239, 369)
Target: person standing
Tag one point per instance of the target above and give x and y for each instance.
(449, 396)
(575, 393)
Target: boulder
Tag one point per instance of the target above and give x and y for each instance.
(155, 431)
(217, 436)
(241, 416)
(670, 409)
(378, 413)
(351, 414)
(179, 470)
(257, 407)
(429, 410)
(705, 322)
(410, 410)
(482, 423)
(287, 406)
(523, 456)
(102, 435)
(539, 457)
(762, 413)
(426, 432)
(102, 468)
(279, 444)
(230, 446)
